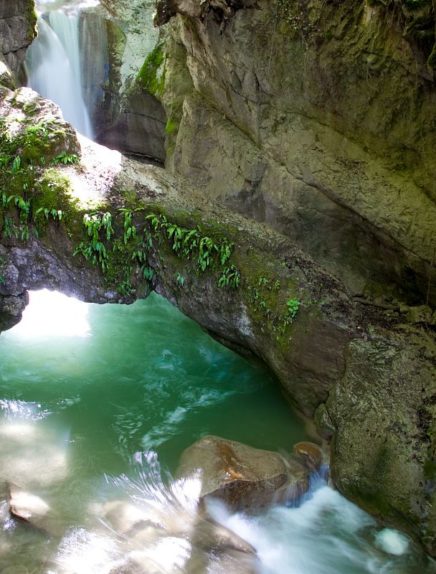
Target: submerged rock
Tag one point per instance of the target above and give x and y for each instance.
(29, 508)
(146, 525)
(245, 478)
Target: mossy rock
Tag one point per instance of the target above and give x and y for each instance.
(33, 128)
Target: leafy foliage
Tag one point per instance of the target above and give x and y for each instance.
(191, 244)
(293, 306)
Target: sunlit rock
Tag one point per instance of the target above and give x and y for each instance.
(122, 516)
(310, 454)
(243, 477)
(6, 78)
(26, 506)
(83, 552)
(30, 456)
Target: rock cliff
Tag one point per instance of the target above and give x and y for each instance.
(17, 30)
(318, 119)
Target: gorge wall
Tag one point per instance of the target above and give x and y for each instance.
(299, 144)
(318, 119)
(17, 30)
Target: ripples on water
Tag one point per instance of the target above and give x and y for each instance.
(89, 415)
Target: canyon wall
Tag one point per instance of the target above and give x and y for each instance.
(316, 118)
(17, 30)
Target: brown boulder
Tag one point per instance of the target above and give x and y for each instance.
(310, 454)
(245, 478)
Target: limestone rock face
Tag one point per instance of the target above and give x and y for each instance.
(222, 10)
(245, 478)
(116, 37)
(17, 30)
(383, 456)
(138, 127)
(314, 118)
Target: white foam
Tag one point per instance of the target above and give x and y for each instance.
(392, 541)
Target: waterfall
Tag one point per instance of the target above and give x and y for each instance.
(53, 66)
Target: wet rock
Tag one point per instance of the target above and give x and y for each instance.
(213, 537)
(10, 277)
(28, 507)
(11, 310)
(6, 78)
(394, 417)
(122, 516)
(234, 562)
(245, 478)
(310, 454)
(31, 457)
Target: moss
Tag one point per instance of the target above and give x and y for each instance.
(151, 76)
(31, 19)
(171, 126)
(38, 143)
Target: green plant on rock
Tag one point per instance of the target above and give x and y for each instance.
(10, 230)
(171, 126)
(16, 164)
(192, 244)
(116, 245)
(180, 279)
(293, 306)
(94, 250)
(128, 226)
(47, 214)
(66, 158)
(230, 277)
(147, 273)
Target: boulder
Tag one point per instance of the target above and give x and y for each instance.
(245, 478)
(6, 78)
(28, 507)
(148, 524)
(310, 454)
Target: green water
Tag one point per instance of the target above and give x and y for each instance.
(96, 405)
(145, 378)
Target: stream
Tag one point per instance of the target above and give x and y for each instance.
(97, 402)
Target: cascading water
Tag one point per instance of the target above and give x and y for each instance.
(53, 64)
